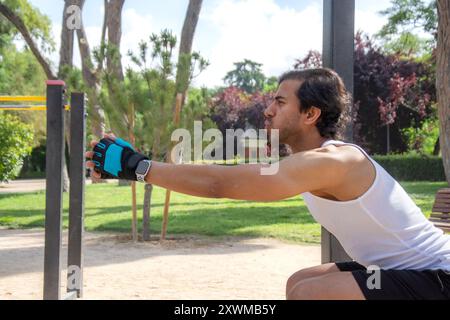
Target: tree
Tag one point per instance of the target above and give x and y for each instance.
(151, 90)
(67, 37)
(407, 16)
(432, 18)
(391, 94)
(233, 108)
(21, 74)
(114, 26)
(246, 75)
(184, 76)
(19, 13)
(65, 63)
(91, 74)
(15, 137)
(443, 80)
(408, 45)
(26, 13)
(183, 79)
(108, 53)
(313, 59)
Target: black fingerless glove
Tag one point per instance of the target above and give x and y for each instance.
(116, 159)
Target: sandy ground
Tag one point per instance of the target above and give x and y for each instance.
(22, 186)
(30, 185)
(180, 268)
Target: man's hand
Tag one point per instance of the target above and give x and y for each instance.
(113, 158)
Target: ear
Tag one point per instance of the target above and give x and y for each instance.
(312, 115)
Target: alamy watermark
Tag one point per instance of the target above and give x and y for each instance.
(250, 144)
(374, 281)
(73, 21)
(74, 276)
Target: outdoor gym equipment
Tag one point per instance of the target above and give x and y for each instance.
(56, 108)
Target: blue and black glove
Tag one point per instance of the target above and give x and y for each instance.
(116, 159)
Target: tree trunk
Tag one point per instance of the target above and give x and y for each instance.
(443, 81)
(17, 21)
(66, 49)
(66, 180)
(182, 80)
(113, 26)
(437, 147)
(114, 23)
(114, 29)
(132, 138)
(91, 80)
(113, 10)
(146, 212)
(134, 231)
(66, 60)
(184, 56)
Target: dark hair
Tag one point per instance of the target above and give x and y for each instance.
(324, 89)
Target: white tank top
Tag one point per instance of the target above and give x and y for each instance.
(383, 227)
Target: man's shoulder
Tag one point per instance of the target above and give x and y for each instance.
(346, 153)
(342, 158)
(329, 157)
(345, 170)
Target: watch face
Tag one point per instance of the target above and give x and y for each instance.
(142, 167)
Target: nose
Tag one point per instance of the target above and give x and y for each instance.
(270, 111)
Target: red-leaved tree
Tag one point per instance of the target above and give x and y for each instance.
(390, 94)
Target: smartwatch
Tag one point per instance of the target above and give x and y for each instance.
(142, 170)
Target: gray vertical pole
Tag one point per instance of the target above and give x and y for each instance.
(76, 203)
(54, 189)
(338, 54)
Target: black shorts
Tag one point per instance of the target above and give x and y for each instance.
(401, 284)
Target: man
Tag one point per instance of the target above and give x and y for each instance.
(345, 190)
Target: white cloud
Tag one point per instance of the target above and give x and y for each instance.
(262, 31)
(232, 30)
(54, 56)
(369, 20)
(136, 28)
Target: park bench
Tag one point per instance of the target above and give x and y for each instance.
(440, 214)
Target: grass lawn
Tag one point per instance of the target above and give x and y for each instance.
(108, 209)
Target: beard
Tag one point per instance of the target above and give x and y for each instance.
(283, 136)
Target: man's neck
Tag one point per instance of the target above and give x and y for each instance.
(300, 145)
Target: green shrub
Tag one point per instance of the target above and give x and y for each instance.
(16, 138)
(34, 164)
(422, 140)
(413, 167)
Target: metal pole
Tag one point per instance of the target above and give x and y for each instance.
(54, 189)
(76, 202)
(338, 54)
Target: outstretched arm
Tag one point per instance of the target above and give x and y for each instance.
(306, 171)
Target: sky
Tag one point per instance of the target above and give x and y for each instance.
(271, 32)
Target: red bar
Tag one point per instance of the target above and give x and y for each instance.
(55, 83)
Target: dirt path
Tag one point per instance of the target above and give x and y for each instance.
(18, 186)
(185, 268)
(30, 185)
